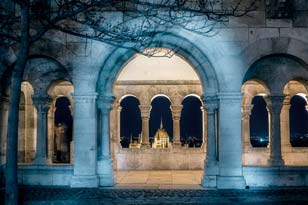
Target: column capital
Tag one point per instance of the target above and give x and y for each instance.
(5, 102)
(276, 102)
(232, 97)
(145, 110)
(84, 97)
(104, 102)
(42, 102)
(176, 111)
(246, 111)
(210, 102)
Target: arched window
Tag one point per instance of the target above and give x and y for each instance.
(131, 127)
(298, 122)
(259, 130)
(191, 122)
(63, 130)
(161, 112)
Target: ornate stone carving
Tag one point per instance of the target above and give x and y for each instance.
(42, 102)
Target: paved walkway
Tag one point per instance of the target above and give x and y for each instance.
(158, 187)
(159, 179)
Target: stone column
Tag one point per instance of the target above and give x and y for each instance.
(85, 141)
(275, 138)
(119, 109)
(210, 163)
(104, 163)
(42, 104)
(176, 112)
(246, 112)
(230, 142)
(3, 125)
(285, 126)
(145, 112)
(204, 132)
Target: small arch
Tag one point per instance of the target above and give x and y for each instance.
(160, 95)
(63, 122)
(130, 121)
(193, 95)
(191, 121)
(125, 96)
(259, 123)
(161, 112)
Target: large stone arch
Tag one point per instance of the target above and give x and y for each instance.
(276, 70)
(199, 61)
(261, 48)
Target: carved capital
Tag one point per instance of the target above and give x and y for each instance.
(84, 97)
(176, 111)
(210, 103)
(246, 111)
(104, 102)
(145, 111)
(276, 102)
(41, 102)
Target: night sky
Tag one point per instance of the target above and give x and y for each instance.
(298, 121)
(161, 110)
(259, 123)
(190, 123)
(130, 120)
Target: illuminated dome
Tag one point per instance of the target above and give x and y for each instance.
(161, 138)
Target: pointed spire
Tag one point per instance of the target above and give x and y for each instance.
(161, 123)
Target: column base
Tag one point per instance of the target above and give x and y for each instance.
(145, 146)
(40, 161)
(85, 181)
(231, 182)
(176, 144)
(276, 162)
(211, 168)
(105, 172)
(209, 181)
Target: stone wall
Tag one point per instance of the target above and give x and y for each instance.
(160, 159)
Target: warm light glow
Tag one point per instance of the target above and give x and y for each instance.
(158, 68)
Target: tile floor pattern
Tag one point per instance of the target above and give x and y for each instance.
(159, 179)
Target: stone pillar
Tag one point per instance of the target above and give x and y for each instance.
(119, 109)
(275, 138)
(104, 163)
(210, 163)
(230, 142)
(176, 112)
(285, 126)
(42, 104)
(204, 132)
(145, 112)
(85, 141)
(3, 125)
(246, 112)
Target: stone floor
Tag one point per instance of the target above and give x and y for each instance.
(159, 179)
(158, 187)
